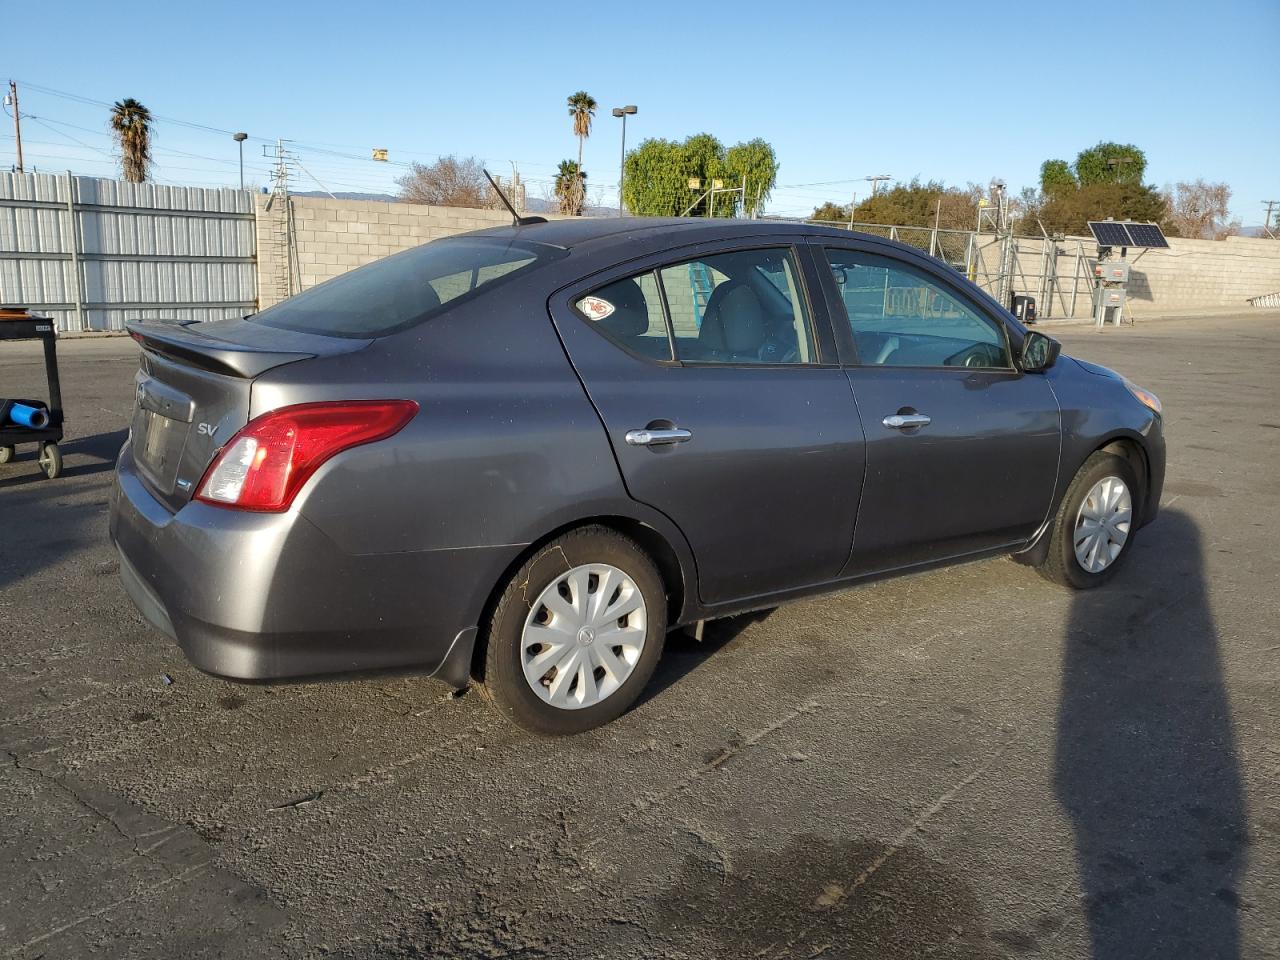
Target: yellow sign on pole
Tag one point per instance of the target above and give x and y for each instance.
(380, 153)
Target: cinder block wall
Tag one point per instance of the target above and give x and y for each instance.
(1189, 274)
(332, 236)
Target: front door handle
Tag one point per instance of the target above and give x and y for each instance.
(905, 421)
(652, 438)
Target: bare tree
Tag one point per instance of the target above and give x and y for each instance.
(1199, 210)
(449, 182)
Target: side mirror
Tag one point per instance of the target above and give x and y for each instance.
(1039, 352)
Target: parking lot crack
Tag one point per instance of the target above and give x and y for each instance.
(83, 803)
(725, 755)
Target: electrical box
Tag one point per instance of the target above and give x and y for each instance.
(1111, 281)
(1112, 271)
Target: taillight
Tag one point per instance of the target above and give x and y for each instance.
(265, 465)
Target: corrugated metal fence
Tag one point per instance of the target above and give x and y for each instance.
(94, 253)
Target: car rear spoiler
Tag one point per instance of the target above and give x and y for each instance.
(179, 342)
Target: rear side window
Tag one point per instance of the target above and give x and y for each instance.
(399, 291)
(629, 312)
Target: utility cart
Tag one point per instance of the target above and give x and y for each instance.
(46, 429)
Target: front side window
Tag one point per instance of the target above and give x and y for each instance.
(741, 307)
(903, 318)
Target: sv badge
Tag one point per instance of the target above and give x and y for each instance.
(206, 429)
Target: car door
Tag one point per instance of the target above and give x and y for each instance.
(962, 446)
(723, 399)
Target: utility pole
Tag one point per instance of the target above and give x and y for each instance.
(1266, 224)
(876, 180)
(12, 100)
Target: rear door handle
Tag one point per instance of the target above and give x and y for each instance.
(652, 438)
(905, 421)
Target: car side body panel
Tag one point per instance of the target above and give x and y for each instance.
(392, 551)
(767, 488)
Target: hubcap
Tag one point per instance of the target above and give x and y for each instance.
(583, 636)
(1103, 524)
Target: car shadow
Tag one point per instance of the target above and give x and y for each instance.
(1146, 763)
(682, 654)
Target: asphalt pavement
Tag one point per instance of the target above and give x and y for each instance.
(965, 763)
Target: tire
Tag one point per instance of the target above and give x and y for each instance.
(6, 454)
(567, 700)
(51, 460)
(1062, 565)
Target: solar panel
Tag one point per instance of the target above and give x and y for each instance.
(1110, 233)
(1146, 235)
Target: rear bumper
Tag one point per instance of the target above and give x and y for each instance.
(269, 596)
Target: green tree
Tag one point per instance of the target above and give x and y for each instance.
(659, 173)
(916, 204)
(1110, 163)
(755, 161)
(1056, 176)
(1070, 211)
(655, 184)
(702, 159)
(131, 127)
(570, 188)
(582, 108)
(831, 211)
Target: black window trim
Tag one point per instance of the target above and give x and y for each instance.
(845, 329)
(795, 244)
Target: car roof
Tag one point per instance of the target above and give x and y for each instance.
(585, 232)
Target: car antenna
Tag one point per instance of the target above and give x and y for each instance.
(516, 219)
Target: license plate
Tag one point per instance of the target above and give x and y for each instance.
(158, 446)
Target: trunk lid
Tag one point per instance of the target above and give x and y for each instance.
(192, 392)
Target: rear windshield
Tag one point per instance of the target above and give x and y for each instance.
(399, 291)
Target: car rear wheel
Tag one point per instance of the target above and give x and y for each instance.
(1096, 524)
(576, 634)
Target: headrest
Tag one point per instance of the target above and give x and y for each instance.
(630, 317)
(734, 322)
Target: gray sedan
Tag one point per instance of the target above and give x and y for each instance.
(523, 455)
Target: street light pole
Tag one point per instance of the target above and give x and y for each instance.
(622, 165)
(240, 138)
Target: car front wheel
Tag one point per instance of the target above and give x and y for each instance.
(1096, 524)
(576, 634)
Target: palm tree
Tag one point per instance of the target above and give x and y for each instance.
(582, 107)
(131, 126)
(570, 185)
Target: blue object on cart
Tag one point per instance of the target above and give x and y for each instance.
(35, 417)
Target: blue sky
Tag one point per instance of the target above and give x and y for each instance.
(948, 91)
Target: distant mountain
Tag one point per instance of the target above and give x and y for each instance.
(537, 205)
(384, 197)
(534, 204)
